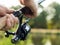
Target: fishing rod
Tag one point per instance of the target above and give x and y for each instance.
(23, 28)
(40, 1)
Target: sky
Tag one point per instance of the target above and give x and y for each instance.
(47, 2)
(9, 3)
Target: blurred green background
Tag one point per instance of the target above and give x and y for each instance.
(45, 27)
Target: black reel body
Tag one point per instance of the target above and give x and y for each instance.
(22, 30)
(22, 33)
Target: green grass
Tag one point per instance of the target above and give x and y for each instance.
(32, 39)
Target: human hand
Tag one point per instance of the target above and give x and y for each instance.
(10, 21)
(5, 10)
(32, 7)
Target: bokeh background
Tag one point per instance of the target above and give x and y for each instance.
(45, 28)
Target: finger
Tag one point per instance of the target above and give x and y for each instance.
(11, 20)
(8, 24)
(22, 2)
(10, 11)
(15, 19)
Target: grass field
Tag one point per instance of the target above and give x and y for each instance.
(36, 37)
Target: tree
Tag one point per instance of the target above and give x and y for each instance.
(16, 7)
(56, 18)
(40, 21)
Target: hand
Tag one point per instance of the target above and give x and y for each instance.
(11, 21)
(32, 5)
(4, 11)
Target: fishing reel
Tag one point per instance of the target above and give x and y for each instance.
(23, 28)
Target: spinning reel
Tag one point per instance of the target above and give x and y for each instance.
(22, 30)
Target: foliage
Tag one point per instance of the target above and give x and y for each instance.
(40, 21)
(56, 19)
(16, 7)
